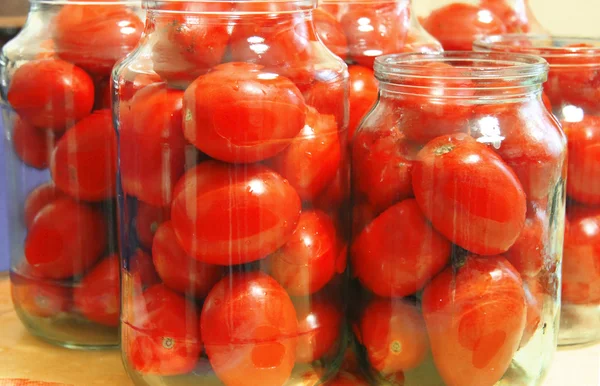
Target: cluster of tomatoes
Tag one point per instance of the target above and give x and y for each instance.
(453, 227)
(458, 25)
(62, 121)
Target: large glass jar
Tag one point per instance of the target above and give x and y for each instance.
(457, 23)
(458, 177)
(573, 89)
(358, 32)
(232, 144)
(60, 152)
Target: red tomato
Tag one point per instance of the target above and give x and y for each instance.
(529, 253)
(364, 90)
(581, 257)
(458, 25)
(84, 163)
(163, 337)
(382, 162)
(330, 32)
(313, 158)
(32, 145)
(307, 262)
(51, 94)
(233, 215)
(399, 252)
(337, 192)
(252, 121)
(326, 91)
(583, 184)
(258, 346)
(142, 268)
(147, 220)
(96, 36)
(319, 324)
(514, 17)
(179, 271)
(362, 215)
(97, 296)
(469, 194)
(347, 379)
(66, 239)
(130, 82)
(475, 319)
(547, 102)
(534, 296)
(37, 200)
(151, 141)
(39, 298)
(375, 29)
(533, 144)
(394, 335)
(103, 94)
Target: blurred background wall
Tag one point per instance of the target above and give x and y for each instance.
(572, 17)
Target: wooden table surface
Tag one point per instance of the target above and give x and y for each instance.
(23, 356)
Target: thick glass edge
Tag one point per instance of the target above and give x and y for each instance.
(554, 46)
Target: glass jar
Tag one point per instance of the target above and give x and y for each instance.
(573, 91)
(232, 125)
(60, 153)
(458, 177)
(360, 31)
(457, 23)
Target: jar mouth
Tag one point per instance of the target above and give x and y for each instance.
(230, 6)
(461, 66)
(558, 50)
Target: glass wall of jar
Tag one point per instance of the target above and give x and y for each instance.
(457, 23)
(60, 152)
(359, 31)
(232, 122)
(573, 92)
(458, 180)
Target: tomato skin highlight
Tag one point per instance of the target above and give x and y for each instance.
(364, 90)
(394, 335)
(65, 248)
(178, 271)
(37, 200)
(399, 252)
(259, 348)
(475, 320)
(39, 89)
(84, 162)
(229, 215)
(249, 122)
(98, 295)
(160, 334)
(469, 194)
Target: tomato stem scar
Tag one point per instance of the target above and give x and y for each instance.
(445, 149)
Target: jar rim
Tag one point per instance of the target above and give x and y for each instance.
(546, 46)
(465, 65)
(88, 2)
(291, 6)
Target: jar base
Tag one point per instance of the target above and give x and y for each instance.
(579, 325)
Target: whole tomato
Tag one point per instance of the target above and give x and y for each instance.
(307, 262)
(37, 200)
(179, 271)
(32, 145)
(469, 194)
(581, 257)
(529, 253)
(162, 338)
(331, 32)
(325, 88)
(534, 296)
(65, 239)
(458, 25)
(151, 141)
(313, 158)
(583, 183)
(364, 90)
(475, 319)
(374, 29)
(147, 220)
(240, 113)
(96, 36)
(84, 162)
(37, 297)
(229, 215)
(51, 94)
(382, 162)
(258, 346)
(319, 324)
(394, 335)
(98, 295)
(399, 252)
